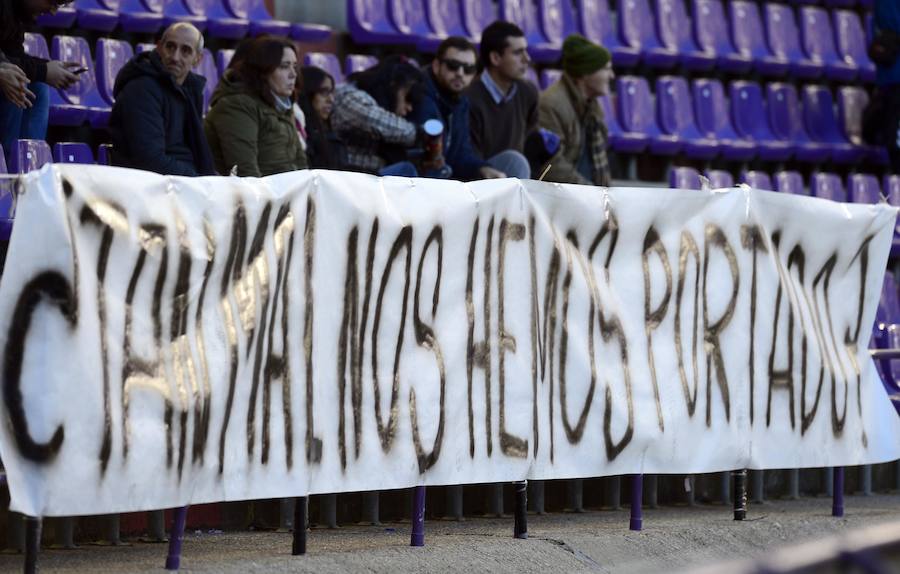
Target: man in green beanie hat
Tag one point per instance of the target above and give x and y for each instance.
(570, 109)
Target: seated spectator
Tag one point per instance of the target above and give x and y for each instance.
(369, 116)
(570, 109)
(156, 122)
(449, 76)
(503, 105)
(24, 79)
(313, 114)
(250, 124)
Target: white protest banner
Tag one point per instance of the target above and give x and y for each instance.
(169, 341)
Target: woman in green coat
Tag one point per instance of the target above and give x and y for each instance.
(250, 125)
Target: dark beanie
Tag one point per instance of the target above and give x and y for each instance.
(581, 57)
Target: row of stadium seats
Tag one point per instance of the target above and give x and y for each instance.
(772, 39)
(221, 18)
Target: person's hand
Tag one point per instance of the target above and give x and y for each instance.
(60, 75)
(14, 85)
(487, 172)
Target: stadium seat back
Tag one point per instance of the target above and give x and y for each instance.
(819, 115)
(747, 29)
(864, 188)
(852, 102)
(556, 20)
(112, 55)
(636, 111)
(675, 107)
(828, 186)
(684, 178)
(710, 27)
(445, 17)
(477, 15)
(326, 61)
(72, 152)
(816, 34)
(790, 182)
(782, 34)
(35, 45)
(76, 49)
(757, 180)
(29, 155)
(358, 62)
(720, 179)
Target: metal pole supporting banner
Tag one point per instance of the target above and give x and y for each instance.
(417, 537)
(520, 527)
(837, 504)
(298, 548)
(637, 497)
(176, 537)
(740, 493)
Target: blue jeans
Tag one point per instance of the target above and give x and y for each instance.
(31, 123)
(512, 163)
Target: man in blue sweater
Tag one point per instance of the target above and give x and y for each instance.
(887, 22)
(450, 74)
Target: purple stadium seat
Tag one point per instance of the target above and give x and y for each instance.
(719, 178)
(310, 33)
(844, 3)
(261, 22)
(714, 121)
(752, 121)
(35, 45)
(852, 102)
(111, 56)
(193, 11)
(827, 186)
(223, 58)
(327, 61)
(81, 102)
(637, 28)
(711, 31)
(787, 123)
(64, 17)
(3, 169)
(408, 17)
(684, 178)
(227, 18)
(818, 41)
(358, 62)
(757, 180)
(476, 15)
(822, 125)
(790, 182)
(368, 22)
(101, 15)
(71, 152)
(141, 16)
(637, 114)
(523, 13)
(864, 188)
(144, 47)
(29, 155)
(104, 154)
(676, 35)
(596, 24)
(783, 36)
(207, 69)
(852, 44)
(7, 205)
(556, 20)
(619, 139)
(445, 17)
(676, 118)
(747, 31)
(549, 77)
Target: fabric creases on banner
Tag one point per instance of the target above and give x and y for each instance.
(170, 341)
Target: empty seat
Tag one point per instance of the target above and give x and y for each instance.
(207, 69)
(141, 16)
(752, 121)
(637, 28)
(64, 17)
(852, 102)
(104, 154)
(790, 182)
(676, 35)
(72, 152)
(556, 20)
(7, 204)
(787, 123)
(358, 62)
(261, 21)
(719, 178)
(193, 11)
(822, 125)
(223, 59)
(327, 61)
(596, 24)
(818, 41)
(112, 55)
(29, 155)
(80, 102)
(757, 180)
(368, 22)
(477, 15)
(637, 114)
(310, 33)
(227, 18)
(549, 77)
(864, 188)
(891, 189)
(445, 17)
(620, 140)
(783, 36)
(101, 15)
(676, 118)
(851, 43)
(684, 178)
(749, 40)
(3, 169)
(711, 31)
(827, 186)
(35, 45)
(714, 121)
(523, 13)
(408, 17)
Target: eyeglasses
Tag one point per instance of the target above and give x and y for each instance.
(455, 65)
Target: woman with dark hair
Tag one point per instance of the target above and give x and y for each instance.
(369, 116)
(250, 125)
(315, 102)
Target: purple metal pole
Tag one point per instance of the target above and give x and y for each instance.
(32, 543)
(520, 526)
(300, 519)
(417, 538)
(837, 504)
(637, 499)
(176, 537)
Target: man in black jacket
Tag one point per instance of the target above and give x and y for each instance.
(24, 80)
(157, 120)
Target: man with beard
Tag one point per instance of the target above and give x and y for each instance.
(450, 74)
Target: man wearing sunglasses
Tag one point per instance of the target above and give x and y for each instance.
(450, 74)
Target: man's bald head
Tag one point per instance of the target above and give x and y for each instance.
(180, 49)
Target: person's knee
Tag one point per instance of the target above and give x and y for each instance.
(41, 93)
(512, 163)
